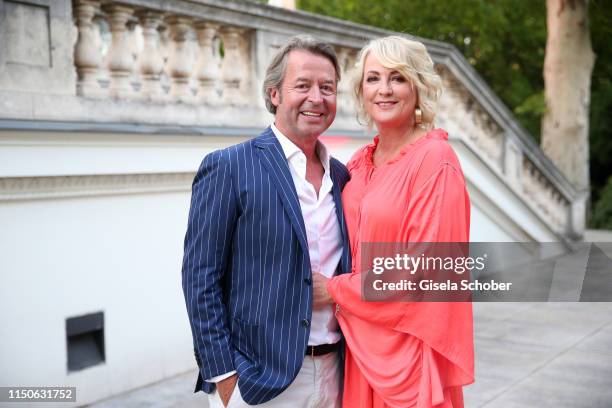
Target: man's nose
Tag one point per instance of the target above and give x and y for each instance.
(314, 95)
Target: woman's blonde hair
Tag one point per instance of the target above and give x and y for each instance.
(411, 60)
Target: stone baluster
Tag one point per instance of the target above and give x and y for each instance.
(512, 161)
(208, 63)
(350, 71)
(551, 203)
(342, 89)
(346, 59)
(151, 61)
(538, 188)
(231, 68)
(120, 58)
(577, 215)
(180, 64)
(527, 180)
(165, 47)
(87, 56)
(135, 40)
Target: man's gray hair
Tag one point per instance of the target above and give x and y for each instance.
(275, 74)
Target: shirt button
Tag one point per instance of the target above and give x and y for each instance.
(305, 323)
(308, 281)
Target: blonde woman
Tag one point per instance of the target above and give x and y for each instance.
(407, 186)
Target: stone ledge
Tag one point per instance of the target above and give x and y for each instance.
(37, 188)
(155, 128)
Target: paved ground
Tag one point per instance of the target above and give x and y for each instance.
(528, 355)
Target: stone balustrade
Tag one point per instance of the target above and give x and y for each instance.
(158, 56)
(130, 52)
(500, 149)
(458, 105)
(543, 194)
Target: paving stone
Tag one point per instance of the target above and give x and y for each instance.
(500, 310)
(174, 392)
(556, 328)
(599, 342)
(528, 355)
(574, 379)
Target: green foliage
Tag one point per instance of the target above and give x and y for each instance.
(530, 113)
(600, 124)
(602, 213)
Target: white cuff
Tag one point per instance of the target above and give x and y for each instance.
(221, 377)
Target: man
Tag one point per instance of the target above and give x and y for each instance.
(265, 217)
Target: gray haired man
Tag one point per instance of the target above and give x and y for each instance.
(265, 218)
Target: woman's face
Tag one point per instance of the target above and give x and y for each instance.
(388, 97)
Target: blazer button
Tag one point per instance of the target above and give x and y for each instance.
(308, 281)
(305, 323)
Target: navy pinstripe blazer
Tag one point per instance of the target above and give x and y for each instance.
(246, 270)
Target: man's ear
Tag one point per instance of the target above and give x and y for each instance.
(275, 96)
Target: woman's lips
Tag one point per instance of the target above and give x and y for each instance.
(386, 104)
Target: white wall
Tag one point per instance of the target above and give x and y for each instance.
(107, 235)
(118, 249)
(68, 257)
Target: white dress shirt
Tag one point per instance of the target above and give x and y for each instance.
(322, 232)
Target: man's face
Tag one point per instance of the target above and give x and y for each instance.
(306, 101)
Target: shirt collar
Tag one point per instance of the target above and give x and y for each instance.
(290, 149)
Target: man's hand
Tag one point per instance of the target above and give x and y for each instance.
(226, 388)
(320, 295)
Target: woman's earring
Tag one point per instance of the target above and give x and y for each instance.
(418, 116)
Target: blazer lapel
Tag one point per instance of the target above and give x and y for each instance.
(275, 162)
(346, 248)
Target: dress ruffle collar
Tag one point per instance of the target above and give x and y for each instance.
(369, 150)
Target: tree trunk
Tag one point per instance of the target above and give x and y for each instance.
(567, 77)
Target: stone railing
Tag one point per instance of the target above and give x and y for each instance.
(196, 57)
(543, 194)
(140, 53)
(458, 105)
(200, 63)
(519, 162)
(126, 51)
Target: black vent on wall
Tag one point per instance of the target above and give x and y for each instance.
(85, 339)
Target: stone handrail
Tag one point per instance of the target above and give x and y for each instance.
(156, 56)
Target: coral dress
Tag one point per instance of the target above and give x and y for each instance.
(405, 354)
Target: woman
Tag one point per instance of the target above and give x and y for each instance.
(407, 186)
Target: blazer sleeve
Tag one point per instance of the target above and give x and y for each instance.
(208, 241)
